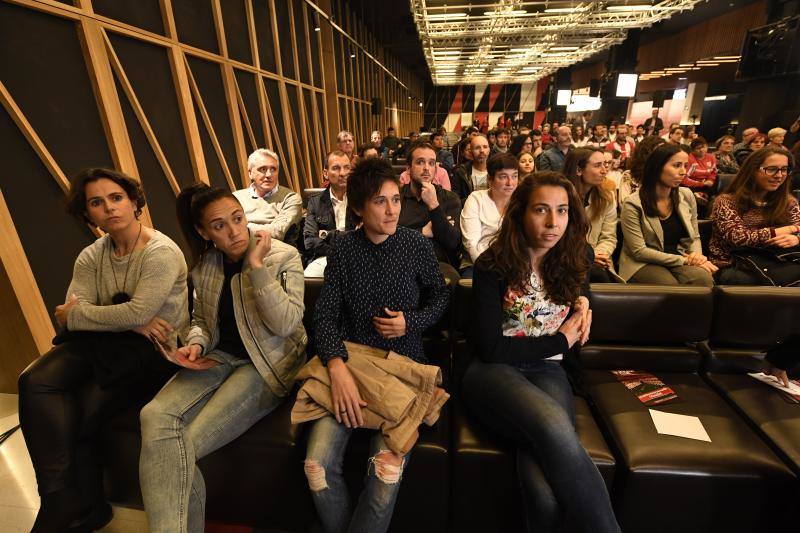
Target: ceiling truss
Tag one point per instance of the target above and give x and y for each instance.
(520, 41)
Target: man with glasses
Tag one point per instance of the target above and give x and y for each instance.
(268, 205)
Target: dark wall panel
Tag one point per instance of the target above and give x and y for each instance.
(314, 36)
(208, 76)
(50, 83)
(195, 24)
(247, 86)
(302, 47)
(234, 16)
(145, 14)
(147, 68)
(284, 38)
(263, 23)
(274, 97)
(52, 240)
(216, 176)
(294, 107)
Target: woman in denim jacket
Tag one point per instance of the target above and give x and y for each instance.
(242, 352)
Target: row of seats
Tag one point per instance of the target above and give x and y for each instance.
(699, 341)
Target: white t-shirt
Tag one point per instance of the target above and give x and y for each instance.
(480, 179)
(480, 220)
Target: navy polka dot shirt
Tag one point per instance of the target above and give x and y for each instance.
(362, 278)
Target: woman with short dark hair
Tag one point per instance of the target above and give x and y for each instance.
(661, 243)
(383, 289)
(483, 211)
(756, 143)
(127, 295)
(701, 175)
(757, 211)
(530, 307)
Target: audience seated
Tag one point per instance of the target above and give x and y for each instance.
(623, 143)
(430, 209)
(701, 176)
(268, 205)
(472, 175)
(756, 219)
(530, 306)
(527, 164)
(238, 360)
(536, 138)
(776, 137)
(383, 290)
(443, 157)
(661, 243)
(755, 143)
(483, 210)
(747, 136)
(327, 217)
(586, 169)
(127, 295)
(553, 159)
(366, 151)
(346, 144)
(631, 179)
(376, 139)
(521, 144)
(726, 162)
(391, 141)
(502, 139)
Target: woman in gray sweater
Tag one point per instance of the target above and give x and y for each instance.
(128, 291)
(242, 352)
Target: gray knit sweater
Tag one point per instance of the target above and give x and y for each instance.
(156, 283)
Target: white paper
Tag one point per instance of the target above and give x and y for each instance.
(774, 382)
(685, 426)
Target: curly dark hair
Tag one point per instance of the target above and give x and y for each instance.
(76, 197)
(563, 269)
(743, 187)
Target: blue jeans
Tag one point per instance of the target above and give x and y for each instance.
(373, 512)
(196, 413)
(534, 408)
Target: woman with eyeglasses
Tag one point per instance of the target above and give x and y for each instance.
(521, 144)
(756, 212)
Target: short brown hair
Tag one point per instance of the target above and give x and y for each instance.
(366, 181)
(76, 198)
(500, 162)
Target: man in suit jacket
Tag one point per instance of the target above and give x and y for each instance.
(654, 124)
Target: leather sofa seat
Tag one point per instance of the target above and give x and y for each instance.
(486, 494)
(747, 321)
(729, 484)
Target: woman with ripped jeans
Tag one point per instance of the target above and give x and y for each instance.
(383, 288)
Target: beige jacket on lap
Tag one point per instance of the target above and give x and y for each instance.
(643, 241)
(400, 393)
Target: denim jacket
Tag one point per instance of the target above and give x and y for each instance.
(268, 305)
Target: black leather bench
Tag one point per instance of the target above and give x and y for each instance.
(665, 482)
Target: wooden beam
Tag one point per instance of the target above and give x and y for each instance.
(209, 127)
(328, 69)
(105, 91)
(26, 290)
(141, 116)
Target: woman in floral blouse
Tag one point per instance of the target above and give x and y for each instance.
(530, 307)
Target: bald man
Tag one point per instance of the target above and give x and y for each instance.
(553, 159)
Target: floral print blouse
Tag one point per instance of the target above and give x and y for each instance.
(532, 314)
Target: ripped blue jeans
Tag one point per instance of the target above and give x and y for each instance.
(323, 466)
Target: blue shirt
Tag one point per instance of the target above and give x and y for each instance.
(362, 278)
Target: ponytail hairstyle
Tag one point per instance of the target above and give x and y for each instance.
(563, 269)
(190, 205)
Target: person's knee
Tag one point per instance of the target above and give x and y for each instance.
(154, 417)
(388, 467)
(315, 474)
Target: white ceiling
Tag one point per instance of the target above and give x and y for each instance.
(522, 41)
